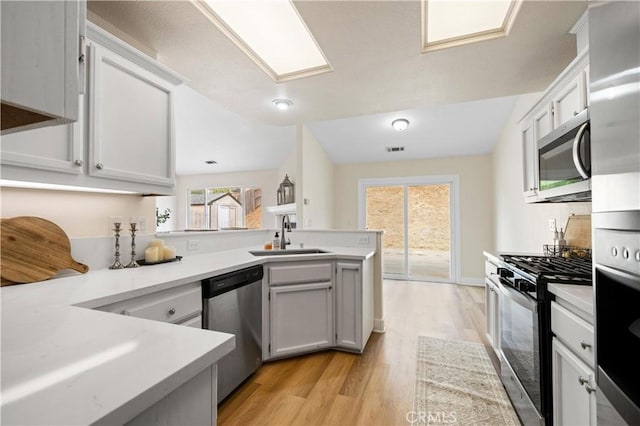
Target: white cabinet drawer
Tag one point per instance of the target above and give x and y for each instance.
(302, 273)
(574, 332)
(170, 305)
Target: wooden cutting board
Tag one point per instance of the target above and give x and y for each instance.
(578, 231)
(34, 249)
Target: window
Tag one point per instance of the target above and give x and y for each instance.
(224, 208)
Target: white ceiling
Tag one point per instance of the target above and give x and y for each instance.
(374, 49)
(470, 128)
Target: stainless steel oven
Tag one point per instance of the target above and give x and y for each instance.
(564, 161)
(520, 340)
(617, 288)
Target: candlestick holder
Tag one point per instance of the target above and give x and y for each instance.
(116, 264)
(133, 263)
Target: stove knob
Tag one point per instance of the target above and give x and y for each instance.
(614, 251)
(625, 253)
(637, 255)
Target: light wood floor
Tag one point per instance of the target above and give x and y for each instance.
(375, 388)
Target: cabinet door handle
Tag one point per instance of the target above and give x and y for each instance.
(583, 381)
(99, 166)
(78, 163)
(589, 389)
(575, 113)
(172, 311)
(585, 345)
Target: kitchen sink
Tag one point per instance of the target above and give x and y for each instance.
(287, 252)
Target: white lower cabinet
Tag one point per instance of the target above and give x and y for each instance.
(492, 306)
(354, 304)
(189, 405)
(179, 305)
(492, 303)
(573, 365)
(574, 388)
(301, 318)
(308, 306)
(193, 403)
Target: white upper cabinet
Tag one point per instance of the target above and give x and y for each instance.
(529, 161)
(41, 61)
(565, 98)
(570, 101)
(131, 131)
(57, 148)
(124, 137)
(543, 122)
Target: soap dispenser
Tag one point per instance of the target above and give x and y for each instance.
(276, 241)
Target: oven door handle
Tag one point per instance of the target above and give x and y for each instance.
(576, 152)
(625, 278)
(519, 298)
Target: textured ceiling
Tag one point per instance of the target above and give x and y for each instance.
(374, 49)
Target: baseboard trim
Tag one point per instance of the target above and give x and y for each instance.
(476, 282)
(378, 326)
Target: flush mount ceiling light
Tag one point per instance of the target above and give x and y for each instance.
(271, 33)
(400, 124)
(455, 23)
(282, 104)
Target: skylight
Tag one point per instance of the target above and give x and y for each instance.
(449, 23)
(271, 33)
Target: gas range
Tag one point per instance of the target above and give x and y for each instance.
(531, 274)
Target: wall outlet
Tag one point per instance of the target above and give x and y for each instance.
(363, 240)
(552, 225)
(193, 245)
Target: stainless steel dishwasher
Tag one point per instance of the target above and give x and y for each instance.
(232, 303)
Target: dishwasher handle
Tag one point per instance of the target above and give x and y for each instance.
(220, 284)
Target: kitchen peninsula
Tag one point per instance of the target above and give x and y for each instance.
(66, 363)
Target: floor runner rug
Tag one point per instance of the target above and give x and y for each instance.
(456, 384)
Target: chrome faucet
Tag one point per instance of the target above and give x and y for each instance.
(284, 242)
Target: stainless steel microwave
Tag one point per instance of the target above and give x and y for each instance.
(564, 162)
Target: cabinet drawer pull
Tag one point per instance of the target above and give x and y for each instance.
(585, 345)
(78, 163)
(589, 389)
(172, 311)
(575, 113)
(583, 381)
(99, 166)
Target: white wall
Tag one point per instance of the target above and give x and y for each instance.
(476, 207)
(317, 184)
(521, 227)
(267, 180)
(79, 214)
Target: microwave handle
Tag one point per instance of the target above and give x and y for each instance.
(576, 152)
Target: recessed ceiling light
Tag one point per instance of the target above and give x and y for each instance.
(211, 162)
(271, 33)
(454, 23)
(400, 124)
(282, 103)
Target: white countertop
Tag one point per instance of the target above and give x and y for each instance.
(66, 364)
(580, 296)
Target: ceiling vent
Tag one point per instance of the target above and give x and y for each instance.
(395, 148)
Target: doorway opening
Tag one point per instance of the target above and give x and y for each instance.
(420, 218)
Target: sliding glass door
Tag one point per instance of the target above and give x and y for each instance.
(418, 217)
